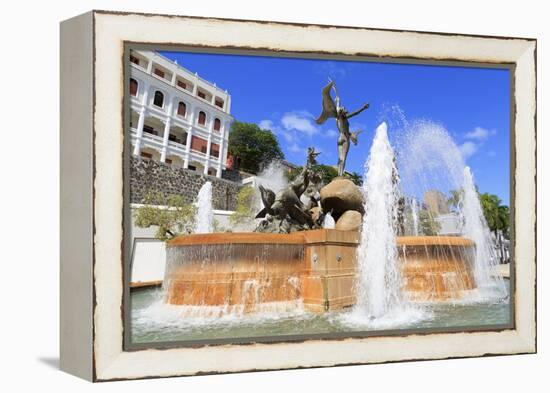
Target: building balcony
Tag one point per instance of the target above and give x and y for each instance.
(148, 139)
(173, 148)
(177, 148)
(182, 122)
(138, 66)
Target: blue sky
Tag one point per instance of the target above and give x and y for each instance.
(284, 95)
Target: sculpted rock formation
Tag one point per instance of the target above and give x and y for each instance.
(341, 195)
(349, 221)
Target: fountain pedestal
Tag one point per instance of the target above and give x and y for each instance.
(330, 259)
(250, 272)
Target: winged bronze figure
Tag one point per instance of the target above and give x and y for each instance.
(342, 116)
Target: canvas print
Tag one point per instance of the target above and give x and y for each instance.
(276, 198)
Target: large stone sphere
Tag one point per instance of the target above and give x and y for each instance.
(341, 195)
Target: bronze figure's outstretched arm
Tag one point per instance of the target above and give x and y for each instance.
(358, 111)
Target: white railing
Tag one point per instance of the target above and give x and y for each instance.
(177, 147)
(137, 66)
(182, 122)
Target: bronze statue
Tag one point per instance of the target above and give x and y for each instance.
(312, 156)
(284, 211)
(342, 116)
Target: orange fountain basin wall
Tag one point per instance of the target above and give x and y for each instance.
(233, 270)
(316, 267)
(436, 268)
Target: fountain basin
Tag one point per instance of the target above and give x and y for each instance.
(316, 268)
(435, 268)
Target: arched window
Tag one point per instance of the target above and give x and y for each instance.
(202, 118)
(133, 87)
(182, 109)
(217, 125)
(159, 99)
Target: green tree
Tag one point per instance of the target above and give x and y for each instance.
(356, 178)
(490, 205)
(327, 173)
(218, 227)
(427, 224)
(253, 146)
(244, 210)
(170, 214)
(498, 219)
(504, 220)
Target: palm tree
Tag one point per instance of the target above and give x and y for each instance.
(498, 219)
(503, 229)
(455, 199)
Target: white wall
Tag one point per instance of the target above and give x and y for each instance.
(148, 255)
(148, 261)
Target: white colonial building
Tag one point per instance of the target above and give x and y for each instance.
(176, 116)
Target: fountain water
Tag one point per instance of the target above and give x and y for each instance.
(414, 214)
(475, 228)
(378, 283)
(218, 275)
(429, 159)
(328, 221)
(273, 177)
(205, 214)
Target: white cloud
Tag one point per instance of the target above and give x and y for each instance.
(480, 133)
(467, 149)
(294, 148)
(270, 125)
(475, 140)
(289, 136)
(300, 121)
(296, 128)
(266, 125)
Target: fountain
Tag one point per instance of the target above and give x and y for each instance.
(429, 158)
(379, 279)
(414, 215)
(205, 213)
(475, 228)
(236, 273)
(296, 259)
(372, 271)
(328, 221)
(273, 176)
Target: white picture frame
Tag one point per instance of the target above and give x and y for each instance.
(92, 203)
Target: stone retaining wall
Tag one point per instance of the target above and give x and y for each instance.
(153, 176)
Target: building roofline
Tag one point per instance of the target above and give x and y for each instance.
(210, 84)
